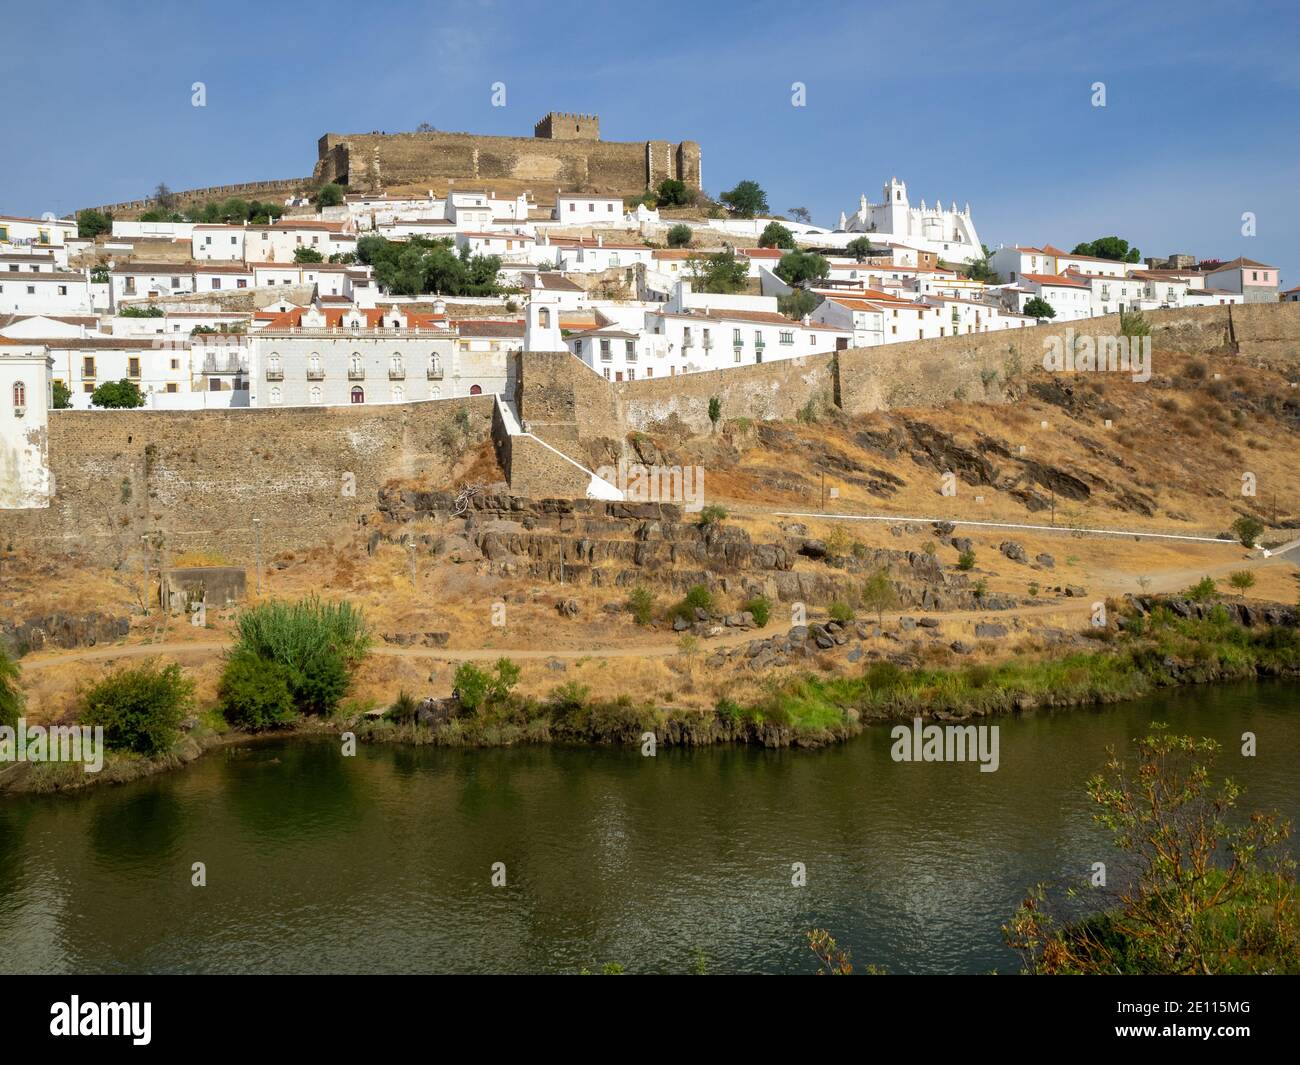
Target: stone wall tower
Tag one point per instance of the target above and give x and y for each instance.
(562, 126)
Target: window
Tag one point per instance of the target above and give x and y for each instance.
(20, 394)
(216, 283)
(544, 317)
(315, 393)
(605, 353)
(133, 367)
(577, 347)
(735, 337)
(63, 290)
(31, 290)
(176, 364)
(358, 394)
(787, 336)
(88, 366)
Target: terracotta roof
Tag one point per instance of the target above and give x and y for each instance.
(468, 327)
(1058, 280)
(1235, 264)
(43, 275)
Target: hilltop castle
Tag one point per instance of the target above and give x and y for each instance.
(565, 150)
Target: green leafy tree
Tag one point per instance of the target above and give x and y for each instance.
(981, 270)
(679, 236)
(859, 248)
(1242, 580)
(140, 709)
(672, 193)
(121, 395)
(746, 200)
(798, 303)
(640, 603)
(1114, 248)
(801, 214)
(1037, 307)
(721, 273)
(91, 223)
(879, 594)
(715, 410)
(303, 254)
(799, 267)
(330, 195)
(775, 235)
(62, 396)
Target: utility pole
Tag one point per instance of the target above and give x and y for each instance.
(823, 507)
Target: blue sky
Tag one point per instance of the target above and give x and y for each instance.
(978, 102)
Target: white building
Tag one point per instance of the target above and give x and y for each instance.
(26, 397)
(584, 209)
(35, 233)
(44, 292)
(947, 232)
(132, 282)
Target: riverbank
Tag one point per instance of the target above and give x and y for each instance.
(1149, 653)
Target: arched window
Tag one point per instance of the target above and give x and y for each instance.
(313, 363)
(315, 393)
(276, 395)
(435, 392)
(544, 317)
(356, 364)
(399, 394)
(395, 363)
(435, 363)
(20, 394)
(358, 394)
(475, 390)
(273, 362)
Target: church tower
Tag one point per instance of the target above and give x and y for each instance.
(896, 206)
(542, 325)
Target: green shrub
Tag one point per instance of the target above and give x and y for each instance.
(1247, 530)
(403, 709)
(712, 514)
(140, 709)
(840, 612)
(1242, 579)
(966, 560)
(478, 689)
(256, 693)
(641, 604)
(697, 596)
(1201, 590)
(318, 642)
(11, 695)
(761, 608)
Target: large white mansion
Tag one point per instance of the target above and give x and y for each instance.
(947, 232)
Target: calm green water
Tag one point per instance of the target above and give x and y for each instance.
(382, 862)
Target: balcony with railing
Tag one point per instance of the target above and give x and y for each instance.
(397, 373)
(318, 374)
(355, 373)
(222, 364)
(274, 373)
(434, 373)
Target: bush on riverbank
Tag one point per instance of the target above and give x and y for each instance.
(256, 693)
(1206, 896)
(140, 709)
(11, 695)
(314, 643)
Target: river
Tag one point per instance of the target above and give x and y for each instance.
(383, 862)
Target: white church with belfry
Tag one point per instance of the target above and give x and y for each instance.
(946, 231)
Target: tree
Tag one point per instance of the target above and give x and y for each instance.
(801, 214)
(1247, 530)
(878, 594)
(1242, 579)
(91, 223)
(831, 960)
(859, 248)
(62, 396)
(330, 195)
(421, 264)
(1114, 248)
(1039, 308)
(304, 254)
(720, 273)
(425, 127)
(775, 235)
(163, 196)
(672, 193)
(798, 267)
(746, 200)
(255, 692)
(1209, 893)
(980, 270)
(679, 236)
(715, 410)
(798, 303)
(123, 394)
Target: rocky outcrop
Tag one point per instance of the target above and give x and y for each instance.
(63, 630)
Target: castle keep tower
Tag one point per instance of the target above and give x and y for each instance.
(562, 126)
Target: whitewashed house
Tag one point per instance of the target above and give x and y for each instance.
(26, 397)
